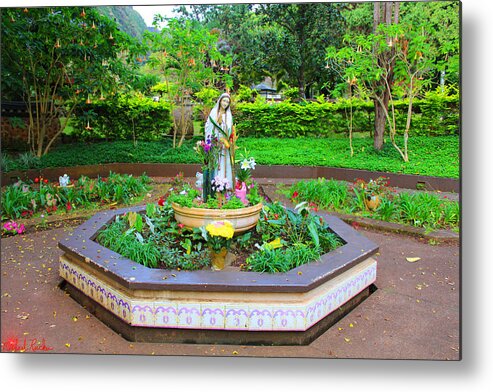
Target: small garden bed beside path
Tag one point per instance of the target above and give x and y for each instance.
(283, 191)
(274, 189)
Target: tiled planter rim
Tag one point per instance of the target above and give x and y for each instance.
(81, 246)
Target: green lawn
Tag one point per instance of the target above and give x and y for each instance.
(432, 156)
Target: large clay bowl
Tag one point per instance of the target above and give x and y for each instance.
(243, 219)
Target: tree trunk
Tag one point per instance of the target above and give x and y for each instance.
(379, 124)
(386, 12)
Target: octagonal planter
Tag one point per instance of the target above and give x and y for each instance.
(243, 219)
(236, 307)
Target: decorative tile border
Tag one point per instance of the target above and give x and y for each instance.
(234, 315)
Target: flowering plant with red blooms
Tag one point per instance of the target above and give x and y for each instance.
(27, 214)
(161, 201)
(294, 195)
(313, 206)
(36, 180)
(68, 206)
(52, 209)
(374, 187)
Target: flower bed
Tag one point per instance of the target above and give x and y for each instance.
(418, 209)
(40, 197)
(282, 240)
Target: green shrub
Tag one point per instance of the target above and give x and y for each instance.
(245, 94)
(7, 163)
(436, 114)
(122, 116)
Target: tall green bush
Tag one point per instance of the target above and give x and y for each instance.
(125, 117)
(435, 115)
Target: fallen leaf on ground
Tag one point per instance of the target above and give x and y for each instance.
(413, 259)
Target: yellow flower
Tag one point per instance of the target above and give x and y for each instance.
(221, 229)
(225, 142)
(274, 244)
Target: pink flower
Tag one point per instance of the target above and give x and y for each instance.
(181, 225)
(7, 226)
(21, 229)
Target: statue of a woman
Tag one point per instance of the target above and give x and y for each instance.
(220, 124)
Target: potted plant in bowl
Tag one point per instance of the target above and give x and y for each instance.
(373, 190)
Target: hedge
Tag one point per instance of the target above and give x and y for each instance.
(120, 117)
(436, 115)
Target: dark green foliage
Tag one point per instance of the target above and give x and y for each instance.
(129, 20)
(164, 243)
(301, 237)
(15, 200)
(124, 117)
(57, 57)
(436, 115)
(420, 209)
(128, 245)
(28, 197)
(283, 260)
(7, 163)
(161, 242)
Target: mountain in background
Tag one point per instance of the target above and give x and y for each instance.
(128, 20)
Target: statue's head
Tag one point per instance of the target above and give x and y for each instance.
(224, 103)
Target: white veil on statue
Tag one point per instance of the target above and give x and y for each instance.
(221, 128)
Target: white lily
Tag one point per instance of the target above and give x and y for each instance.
(245, 164)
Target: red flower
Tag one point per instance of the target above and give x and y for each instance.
(104, 179)
(36, 180)
(314, 206)
(181, 225)
(46, 181)
(161, 201)
(295, 194)
(68, 207)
